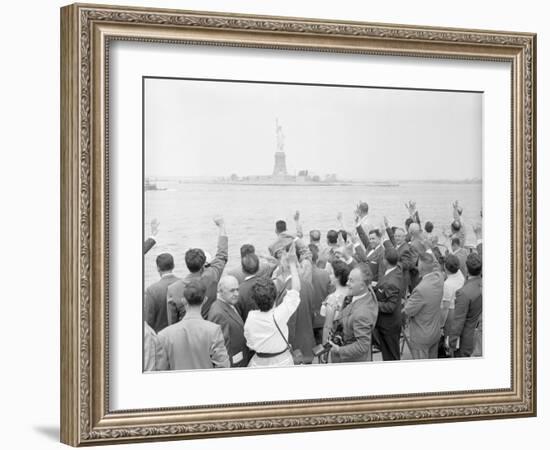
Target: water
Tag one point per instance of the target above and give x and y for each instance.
(185, 212)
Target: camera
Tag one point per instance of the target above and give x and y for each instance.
(321, 349)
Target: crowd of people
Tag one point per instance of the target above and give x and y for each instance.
(374, 288)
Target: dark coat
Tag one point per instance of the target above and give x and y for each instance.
(320, 282)
(389, 292)
(233, 332)
(467, 314)
(209, 276)
(155, 305)
(246, 304)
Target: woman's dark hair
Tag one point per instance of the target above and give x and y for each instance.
(341, 271)
(264, 293)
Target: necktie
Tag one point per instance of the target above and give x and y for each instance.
(347, 301)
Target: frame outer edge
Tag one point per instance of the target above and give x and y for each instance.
(69, 185)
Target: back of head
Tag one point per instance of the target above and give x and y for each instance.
(428, 227)
(332, 237)
(165, 262)
(194, 259)
(194, 292)
(315, 236)
(247, 249)
(250, 263)
(314, 250)
(455, 226)
(363, 208)
(391, 256)
(366, 273)
(414, 229)
(455, 242)
(264, 293)
(341, 271)
(452, 264)
(280, 226)
(473, 264)
(408, 222)
(426, 263)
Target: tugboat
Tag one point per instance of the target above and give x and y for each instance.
(150, 186)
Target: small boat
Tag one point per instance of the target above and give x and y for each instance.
(150, 186)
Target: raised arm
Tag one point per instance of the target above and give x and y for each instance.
(215, 269)
(151, 240)
(299, 230)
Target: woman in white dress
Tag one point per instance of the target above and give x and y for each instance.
(266, 329)
(331, 307)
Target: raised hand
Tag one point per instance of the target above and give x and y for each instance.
(296, 216)
(386, 222)
(339, 217)
(219, 221)
(154, 226)
(411, 207)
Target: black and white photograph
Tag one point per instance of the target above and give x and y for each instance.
(292, 224)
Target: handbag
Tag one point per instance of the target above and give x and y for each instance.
(297, 355)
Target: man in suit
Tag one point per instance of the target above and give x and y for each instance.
(408, 259)
(209, 274)
(389, 292)
(423, 308)
(224, 313)
(468, 309)
(461, 253)
(320, 281)
(284, 239)
(194, 343)
(155, 295)
(154, 356)
(250, 264)
(266, 267)
(359, 314)
(375, 254)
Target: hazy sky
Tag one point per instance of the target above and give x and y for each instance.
(209, 128)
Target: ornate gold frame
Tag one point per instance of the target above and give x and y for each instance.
(86, 31)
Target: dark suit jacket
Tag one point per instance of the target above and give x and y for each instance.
(320, 282)
(358, 321)
(148, 245)
(408, 260)
(389, 292)
(246, 304)
(300, 324)
(467, 314)
(375, 260)
(155, 305)
(233, 332)
(209, 276)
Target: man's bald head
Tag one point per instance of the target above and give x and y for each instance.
(228, 289)
(414, 229)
